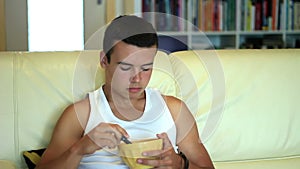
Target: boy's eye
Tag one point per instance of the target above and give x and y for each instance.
(125, 67)
(146, 68)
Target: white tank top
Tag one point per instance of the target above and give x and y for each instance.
(155, 119)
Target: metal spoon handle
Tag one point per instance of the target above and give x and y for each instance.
(123, 138)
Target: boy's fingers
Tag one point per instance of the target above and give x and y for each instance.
(166, 141)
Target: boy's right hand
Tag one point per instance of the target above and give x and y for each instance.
(104, 135)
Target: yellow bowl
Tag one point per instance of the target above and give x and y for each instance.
(130, 152)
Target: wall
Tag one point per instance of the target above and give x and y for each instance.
(16, 25)
(15, 18)
(94, 17)
(2, 26)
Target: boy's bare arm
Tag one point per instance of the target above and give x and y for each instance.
(188, 140)
(69, 143)
(64, 149)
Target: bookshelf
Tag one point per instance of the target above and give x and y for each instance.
(219, 24)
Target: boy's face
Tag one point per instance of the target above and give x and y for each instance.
(129, 70)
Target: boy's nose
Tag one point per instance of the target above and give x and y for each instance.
(136, 77)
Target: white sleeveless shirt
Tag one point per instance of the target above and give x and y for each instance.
(155, 119)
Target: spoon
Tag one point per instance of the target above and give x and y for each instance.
(123, 138)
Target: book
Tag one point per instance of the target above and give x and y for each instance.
(265, 15)
(258, 14)
(275, 11)
(296, 15)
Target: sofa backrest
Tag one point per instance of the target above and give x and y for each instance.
(7, 149)
(246, 102)
(37, 86)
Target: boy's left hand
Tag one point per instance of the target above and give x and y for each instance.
(166, 158)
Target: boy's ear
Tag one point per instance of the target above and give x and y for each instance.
(103, 60)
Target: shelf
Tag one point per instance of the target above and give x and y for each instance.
(173, 33)
(295, 32)
(261, 33)
(211, 33)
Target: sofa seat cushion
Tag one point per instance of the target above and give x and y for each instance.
(273, 163)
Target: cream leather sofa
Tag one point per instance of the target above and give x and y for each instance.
(246, 102)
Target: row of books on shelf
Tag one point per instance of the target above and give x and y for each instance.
(254, 15)
(166, 15)
(214, 15)
(270, 15)
(221, 15)
(293, 11)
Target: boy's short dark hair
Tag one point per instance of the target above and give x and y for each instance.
(131, 30)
